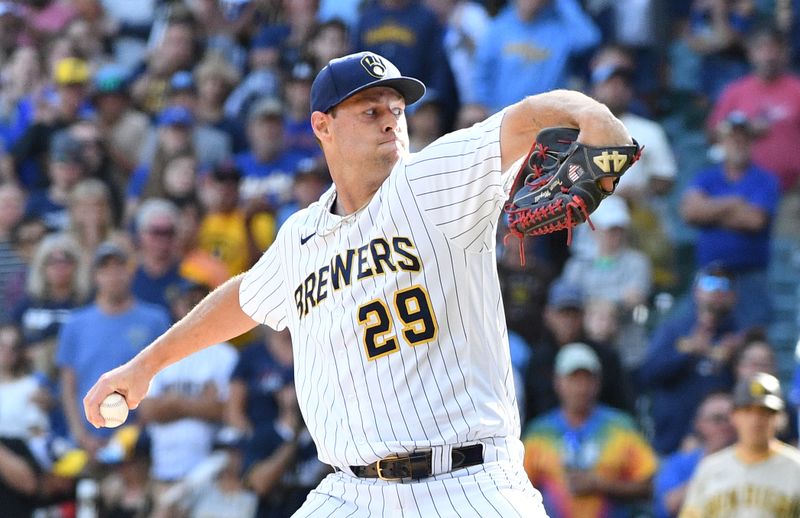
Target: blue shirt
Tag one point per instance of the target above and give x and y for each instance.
(263, 377)
(411, 37)
(735, 249)
(679, 381)
(92, 342)
(272, 180)
(155, 289)
(518, 58)
(675, 471)
(54, 215)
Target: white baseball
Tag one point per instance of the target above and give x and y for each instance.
(114, 410)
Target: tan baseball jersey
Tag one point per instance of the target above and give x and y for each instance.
(725, 487)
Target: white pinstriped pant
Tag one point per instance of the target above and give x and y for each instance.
(497, 488)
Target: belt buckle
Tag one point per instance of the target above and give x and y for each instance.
(391, 457)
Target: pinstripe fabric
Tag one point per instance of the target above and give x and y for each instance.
(496, 489)
(395, 312)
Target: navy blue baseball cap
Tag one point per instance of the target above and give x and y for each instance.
(346, 76)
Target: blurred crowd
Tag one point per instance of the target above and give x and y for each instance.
(151, 149)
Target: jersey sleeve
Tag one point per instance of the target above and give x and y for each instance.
(262, 292)
(457, 182)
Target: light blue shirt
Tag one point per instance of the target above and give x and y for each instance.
(92, 342)
(518, 58)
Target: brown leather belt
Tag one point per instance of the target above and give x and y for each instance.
(417, 465)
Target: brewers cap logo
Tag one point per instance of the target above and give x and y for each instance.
(373, 65)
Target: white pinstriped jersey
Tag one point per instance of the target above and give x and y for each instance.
(395, 311)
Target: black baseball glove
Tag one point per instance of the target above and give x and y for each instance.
(558, 185)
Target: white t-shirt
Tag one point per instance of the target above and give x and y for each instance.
(657, 159)
(178, 446)
(18, 413)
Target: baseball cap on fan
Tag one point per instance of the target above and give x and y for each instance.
(344, 77)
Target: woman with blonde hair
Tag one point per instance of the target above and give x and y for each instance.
(58, 282)
(91, 219)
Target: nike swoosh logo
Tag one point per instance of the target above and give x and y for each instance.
(304, 239)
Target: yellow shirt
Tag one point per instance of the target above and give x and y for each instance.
(225, 236)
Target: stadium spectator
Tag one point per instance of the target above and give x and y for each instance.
(55, 110)
(65, 170)
(210, 144)
(12, 28)
(46, 18)
(408, 33)
(109, 331)
(647, 190)
(770, 97)
(125, 127)
(267, 168)
(157, 252)
(587, 459)
(22, 76)
(758, 355)
(173, 140)
(295, 25)
(689, 356)
(281, 463)
(130, 24)
(184, 406)
(465, 23)
(712, 432)
(96, 160)
(425, 122)
(197, 264)
(298, 136)
(18, 478)
(23, 401)
(124, 486)
(715, 33)
(175, 49)
(227, 494)
(58, 282)
(309, 185)
(25, 237)
(733, 205)
(563, 318)
(262, 80)
(527, 48)
(12, 209)
(636, 26)
(616, 270)
(215, 79)
(757, 464)
(234, 234)
(524, 287)
(91, 218)
(264, 368)
(329, 40)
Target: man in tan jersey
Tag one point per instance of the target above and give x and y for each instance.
(757, 477)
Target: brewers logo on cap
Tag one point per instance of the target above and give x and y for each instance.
(373, 65)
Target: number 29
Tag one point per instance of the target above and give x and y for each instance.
(413, 307)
